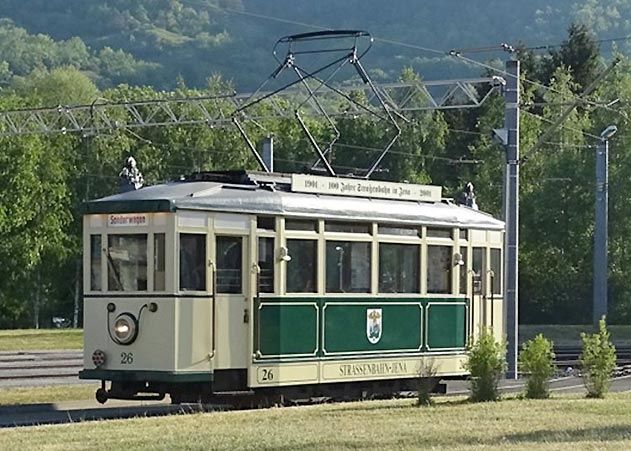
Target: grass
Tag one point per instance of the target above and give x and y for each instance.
(571, 335)
(41, 339)
(40, 395)
(558, 423)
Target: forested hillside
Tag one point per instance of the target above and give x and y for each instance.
(156, 41)
(55, 52)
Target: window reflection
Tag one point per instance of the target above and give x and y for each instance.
(348, 267)
(95, 262)
(439, 269)
(127, 262)
(229, 264)
(158, 262)
(266, 265)
(302, 268)
(398, 268)
(192, 261)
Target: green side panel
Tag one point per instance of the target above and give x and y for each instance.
(288, 329)
(345, 328)
(446, 326)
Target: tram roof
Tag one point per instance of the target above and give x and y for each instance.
(268, 196)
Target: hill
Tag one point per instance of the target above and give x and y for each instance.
(158, 41)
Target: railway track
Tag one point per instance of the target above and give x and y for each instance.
(29, 368)
(24, 368)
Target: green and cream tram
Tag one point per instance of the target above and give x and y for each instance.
(283, 285)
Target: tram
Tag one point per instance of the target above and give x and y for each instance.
(243, 285)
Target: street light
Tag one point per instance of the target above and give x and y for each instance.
(601, 238)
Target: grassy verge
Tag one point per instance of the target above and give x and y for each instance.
(571, 335)
(39, 395)
(42, 339)
(560, 423)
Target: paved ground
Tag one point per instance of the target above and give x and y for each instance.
(87, 410)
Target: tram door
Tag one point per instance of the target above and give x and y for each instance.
(231, 295)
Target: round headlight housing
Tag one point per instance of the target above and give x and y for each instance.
(125, 329)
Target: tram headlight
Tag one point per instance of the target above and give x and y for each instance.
(125, 329)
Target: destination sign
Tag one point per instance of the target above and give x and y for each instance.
(364, 188)
(127, 220)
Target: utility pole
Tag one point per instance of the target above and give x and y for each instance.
(511, 214)
(601, 238)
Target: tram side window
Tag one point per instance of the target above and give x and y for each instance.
(158, 262)
(439, 269)
(229, 264)
(347, 267)
(463, 270)
(302, 269)
(398, 268)
(95, 262)
(266, 264)
(127, 262)
(192, 261)
(478, 269)
(496, 267)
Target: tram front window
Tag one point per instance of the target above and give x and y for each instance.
(127, 262)
(192, 261)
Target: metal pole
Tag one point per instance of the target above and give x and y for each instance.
(268, 152)
(511, 214)
(600, 231)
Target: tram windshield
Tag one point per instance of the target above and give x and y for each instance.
(127, 262)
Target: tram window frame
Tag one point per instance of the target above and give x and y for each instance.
(495, 265)
(445, 267)
(339, 278)
(295, 267)
(401, 264)
(96, 267)
(120, 279)
(266, 267)
(195, 253)
(232, 287)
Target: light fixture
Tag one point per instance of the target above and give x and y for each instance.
(457, 259)
(608, 132)
(125, 329)
(284, 254)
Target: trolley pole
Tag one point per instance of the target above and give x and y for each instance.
(601, 237)
(511, 214)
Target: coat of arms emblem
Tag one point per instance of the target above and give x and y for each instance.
(373, 325)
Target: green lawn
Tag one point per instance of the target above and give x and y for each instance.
(52, 394)
(559, 423)
(30, 339)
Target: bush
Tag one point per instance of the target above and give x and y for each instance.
(486, 362)
(598, 361)
(537, 360)
(426, 382)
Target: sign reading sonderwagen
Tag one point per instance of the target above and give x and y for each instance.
(364, 188)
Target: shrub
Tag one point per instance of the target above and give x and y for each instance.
(598, 361)
(426, 382)
(486, 362)
(537, 360)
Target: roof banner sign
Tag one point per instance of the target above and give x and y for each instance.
(364, 188)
